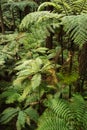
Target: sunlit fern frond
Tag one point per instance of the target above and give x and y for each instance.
(66, 6)
(44, 17)
(78, 6)
(76, 27)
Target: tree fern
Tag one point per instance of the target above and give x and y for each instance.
(66, 6)
(20, 4)
(78, 6)
(76, 27)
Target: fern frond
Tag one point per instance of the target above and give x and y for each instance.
(20, 4)
(32, 113)
(26, 90)
(79, 109)
(21, 119)
(78, 6)
(76, 27)
(29, 67)
(56, 117)
(45, 4)
(62, 115)
(35, 81)
(40, 16)
(11, 96)
(8, 114)
(70, 6)
(60, 108)
(52, 123)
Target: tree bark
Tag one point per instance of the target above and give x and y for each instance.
(13, 18)
(1, 18)
(49, 41)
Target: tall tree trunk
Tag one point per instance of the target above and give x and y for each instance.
(60, 38)
(49, 41)
(13, 18)
(26, 10)
(83, 66)
(1, 18)
(71, 53)
(20, 15)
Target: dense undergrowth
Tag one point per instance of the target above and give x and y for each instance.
(43, 65)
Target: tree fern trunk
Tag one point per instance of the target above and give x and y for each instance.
(81, 86)
(20, 15)
(83, 65)
(13, 19)
(49, 41)
(61, 43)
(1, 17)
(71, 53)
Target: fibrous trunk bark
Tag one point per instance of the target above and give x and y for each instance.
(1, 18)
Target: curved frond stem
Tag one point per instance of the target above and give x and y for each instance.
(45, 4)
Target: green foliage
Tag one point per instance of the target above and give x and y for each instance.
(33, 77)
(43, 5)
(14, 11)
(20, 4)
(45, 19)
(66, 7)
(62, 115)
(21, 120)
(10, 95)
(75, 26)
(32, 113)
(8, 114)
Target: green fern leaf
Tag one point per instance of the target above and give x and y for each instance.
(32, 113)
(8, 114)
(20, 5)
(53, 123)
(76, 27)
(25, 93)
(21, 120)
(39, 17)
(61, 109)
(41, 49)
(11, 96)
(35, 81)
(79, 109)
(18, 126)
(29, 67)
